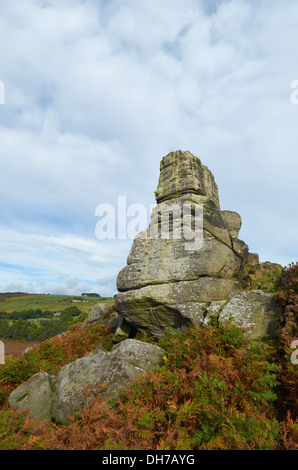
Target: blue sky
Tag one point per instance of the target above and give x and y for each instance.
(97, 92)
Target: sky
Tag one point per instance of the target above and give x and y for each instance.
(97, 92)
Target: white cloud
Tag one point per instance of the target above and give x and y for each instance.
(68, 261)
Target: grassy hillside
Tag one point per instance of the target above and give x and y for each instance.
(31, 317)
(53, 303)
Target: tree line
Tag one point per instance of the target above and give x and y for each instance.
(23, 325)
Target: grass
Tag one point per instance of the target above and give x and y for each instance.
(49, 302)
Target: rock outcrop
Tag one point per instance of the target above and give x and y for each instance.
(100, 373)
(189, 264)
(104, 373)
(35, 395)
(100, 314)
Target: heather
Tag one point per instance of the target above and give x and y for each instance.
(214, 390)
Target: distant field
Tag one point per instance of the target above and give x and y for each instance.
(15, 348)
(53, 303)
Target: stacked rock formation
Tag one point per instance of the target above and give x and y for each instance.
(173, 281)
(188, 267)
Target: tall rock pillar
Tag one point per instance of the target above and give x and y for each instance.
(189, 263)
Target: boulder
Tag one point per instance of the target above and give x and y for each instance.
(35, 395)
(103, 373)
(99, 314)
(164, 261)
(143, 355)
(72, 385)
(254, 310)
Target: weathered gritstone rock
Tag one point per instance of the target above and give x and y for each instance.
(233, 222)
(183, 173)
(170, 282)
(255, 311)
(96, 315)
(100, 314)
(176, 304)
(35, 395)
(101, 373)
